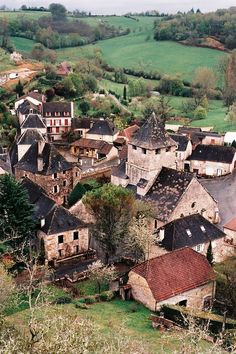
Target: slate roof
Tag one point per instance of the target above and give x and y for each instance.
(103, 127)
(101, 146)
(165, 193)
(60, 220)
(53, 161)
(30, 136)
(33, 121)
(152, 135)
(175, 272)
(181, 140)
(119, 171)
(231, 225)
(5, 165)
(199, 231)
(214, 153)
(38, 197)
(82, 123)
(189, 130)
(53, 107)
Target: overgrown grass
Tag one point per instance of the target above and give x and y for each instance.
(23, 44)
(89, 287)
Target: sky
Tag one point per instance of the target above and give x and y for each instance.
(123, 6)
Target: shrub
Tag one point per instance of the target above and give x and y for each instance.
(200, 113)
(106, 296)
(63, 300)
(133, 308)
(79, 305)
(90, 300)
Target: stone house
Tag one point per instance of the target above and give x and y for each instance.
(212, 160)
(63, 234)
(81, 126)
(183, 151)
(44, 165)
(182, 277)
(29, 103)
(95, 149)
(63, 69)
(103, 129)
(208, 138)
(57, 116)
(176, 194)
(191, 231)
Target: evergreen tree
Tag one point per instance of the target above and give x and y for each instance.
(209, 254)
(19, 89)
(125, 93)
(16, 214)
(76, 194)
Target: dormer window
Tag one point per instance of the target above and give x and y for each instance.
(188, 233)
(54, 176)
(202, 228)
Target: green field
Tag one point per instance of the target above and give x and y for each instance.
(23, 44)
(30, 14)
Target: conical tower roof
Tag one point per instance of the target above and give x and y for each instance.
(152, 135)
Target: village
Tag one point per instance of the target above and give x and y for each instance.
(169, 171)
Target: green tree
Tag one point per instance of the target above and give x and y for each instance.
(125, 93)
(58, 11)
(16, 214)
(19, 89)
(84, 107)
(76, 194)
(112, 207)
(209, 254)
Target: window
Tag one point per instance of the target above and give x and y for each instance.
(60, 253)
(55, 189)
(144, 151)
(66, 121)
(75, 235)
(54, 176)
(57, 130)
(64, 183)
(134, 147)
(76, 248)
(60, 239)
(64, 172)
(168, 149)
(199, 248)
(158, 151)
(155, 224)
(193, 204)
(207, 302)
(188, 232)
(202, 228)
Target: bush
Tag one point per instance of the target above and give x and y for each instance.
(200, 113)
(106, 296)
(79, 305)
(63, 300)
(133, 308)
(90, 300)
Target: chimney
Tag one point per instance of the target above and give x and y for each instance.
(161, 234)
(41, 145)
(42, 222)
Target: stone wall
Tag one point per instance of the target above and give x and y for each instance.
(181, 156)
(210, 168)
(49, 182)
(68, 247)
(146, 165)
(142, 293)
(196, 200)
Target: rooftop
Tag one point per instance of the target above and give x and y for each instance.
(60, 220)
(167, 190)
(231, 225)
(175, 272)
(189, 231)
(30, 136)
(101, 146)
(103, 127)
(181, 140)
(53, 107)
(33, 121)
(53, 161)
(152, 135)
(214, 153)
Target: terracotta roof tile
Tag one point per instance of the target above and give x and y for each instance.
(231, 225)
(175, 273)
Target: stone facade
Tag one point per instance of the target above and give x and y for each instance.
(107, 138)
(58, 186)
(145, 163)
(55, 250)
(195, 297)
(211, 168)
(181, 156)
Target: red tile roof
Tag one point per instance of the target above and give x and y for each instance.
(129, 132)
(175, 272)
(231, 225)
(102, 146)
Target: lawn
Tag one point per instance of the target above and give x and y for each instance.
(23, 44)
(30, 14)
(5, 63)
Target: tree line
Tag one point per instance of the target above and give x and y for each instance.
(194, 27)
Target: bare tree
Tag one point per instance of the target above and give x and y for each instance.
(101, 274)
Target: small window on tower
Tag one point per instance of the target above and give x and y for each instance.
(134, 147)
(144, 151)
(158, 151)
